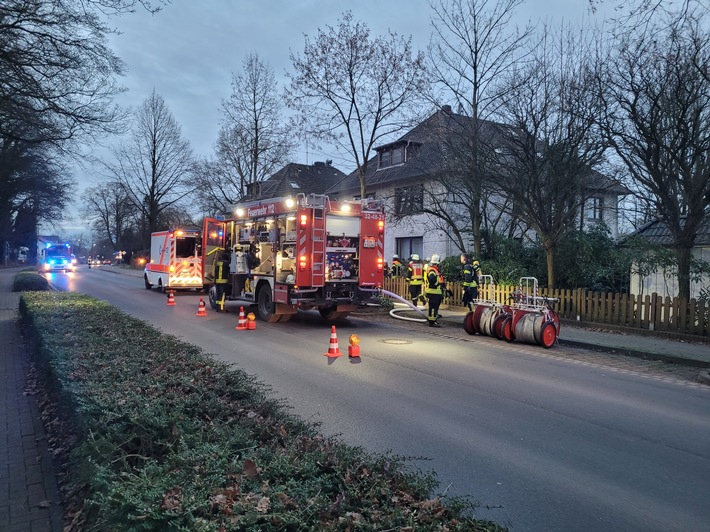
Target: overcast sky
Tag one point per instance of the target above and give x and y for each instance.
(189, 50)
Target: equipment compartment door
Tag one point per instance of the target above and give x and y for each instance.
(372, 253)
(213, 238)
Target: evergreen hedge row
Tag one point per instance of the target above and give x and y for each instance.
(168, 438)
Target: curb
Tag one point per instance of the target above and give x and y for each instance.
(635, 353)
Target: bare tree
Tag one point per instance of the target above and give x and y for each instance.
(47, 191)
(108, 208)
(553, 141)
(353, 91)
(35, 187)
(57, 74)
(155, 165)
(58, 79)
(253, 142)
(473, 45)
(657, 87)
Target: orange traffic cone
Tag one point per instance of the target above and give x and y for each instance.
(242, 323)
(171, 298)
(333, 350)
(201, 309)
(251, 321)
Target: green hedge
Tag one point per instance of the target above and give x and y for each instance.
(29, 281)
(170, 439)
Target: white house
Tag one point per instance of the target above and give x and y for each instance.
(408, 174)
(664, 281)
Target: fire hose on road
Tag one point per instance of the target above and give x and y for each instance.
(407, 306)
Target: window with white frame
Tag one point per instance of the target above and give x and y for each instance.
(406, 247)
(391, 157)
(595, 209)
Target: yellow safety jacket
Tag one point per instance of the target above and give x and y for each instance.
(435, 281)
(415, 273)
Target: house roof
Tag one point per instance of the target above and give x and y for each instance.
(295, 178)
(429, 141)
(597, 181)
(657, 232)
(425, 138)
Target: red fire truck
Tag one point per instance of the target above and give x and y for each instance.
(286, 254)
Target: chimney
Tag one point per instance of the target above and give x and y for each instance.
(446, 109)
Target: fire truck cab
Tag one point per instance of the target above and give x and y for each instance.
(286, 254)
(55, 256)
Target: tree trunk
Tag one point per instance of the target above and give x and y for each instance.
(476, 228)
(683, 255)
(550, 253)
(362, 171)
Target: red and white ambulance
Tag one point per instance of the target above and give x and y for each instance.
(175, 260)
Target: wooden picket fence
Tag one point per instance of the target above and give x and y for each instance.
(651, 313)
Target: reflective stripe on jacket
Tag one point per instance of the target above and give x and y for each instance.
(468, 279)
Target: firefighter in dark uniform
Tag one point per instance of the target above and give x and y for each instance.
(471, 272)
(221, 277)
(415, 278)
(397, 268)
(434, 290)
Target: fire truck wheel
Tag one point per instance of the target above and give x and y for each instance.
(468, 324)
(265, 305)
(213, 297)
(329, 313)
(148, 286)
(160, 286)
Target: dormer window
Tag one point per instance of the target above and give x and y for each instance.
(391, 156)
(294, 185)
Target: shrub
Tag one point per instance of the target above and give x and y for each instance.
(509, 259)
(29, 281)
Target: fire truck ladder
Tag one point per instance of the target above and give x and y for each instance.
(318, 239)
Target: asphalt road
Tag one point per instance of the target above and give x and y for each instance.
(542, 442)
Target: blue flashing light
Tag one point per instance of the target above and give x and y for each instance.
(220, 233)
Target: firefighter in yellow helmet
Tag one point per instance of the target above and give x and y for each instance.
(434, 290)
